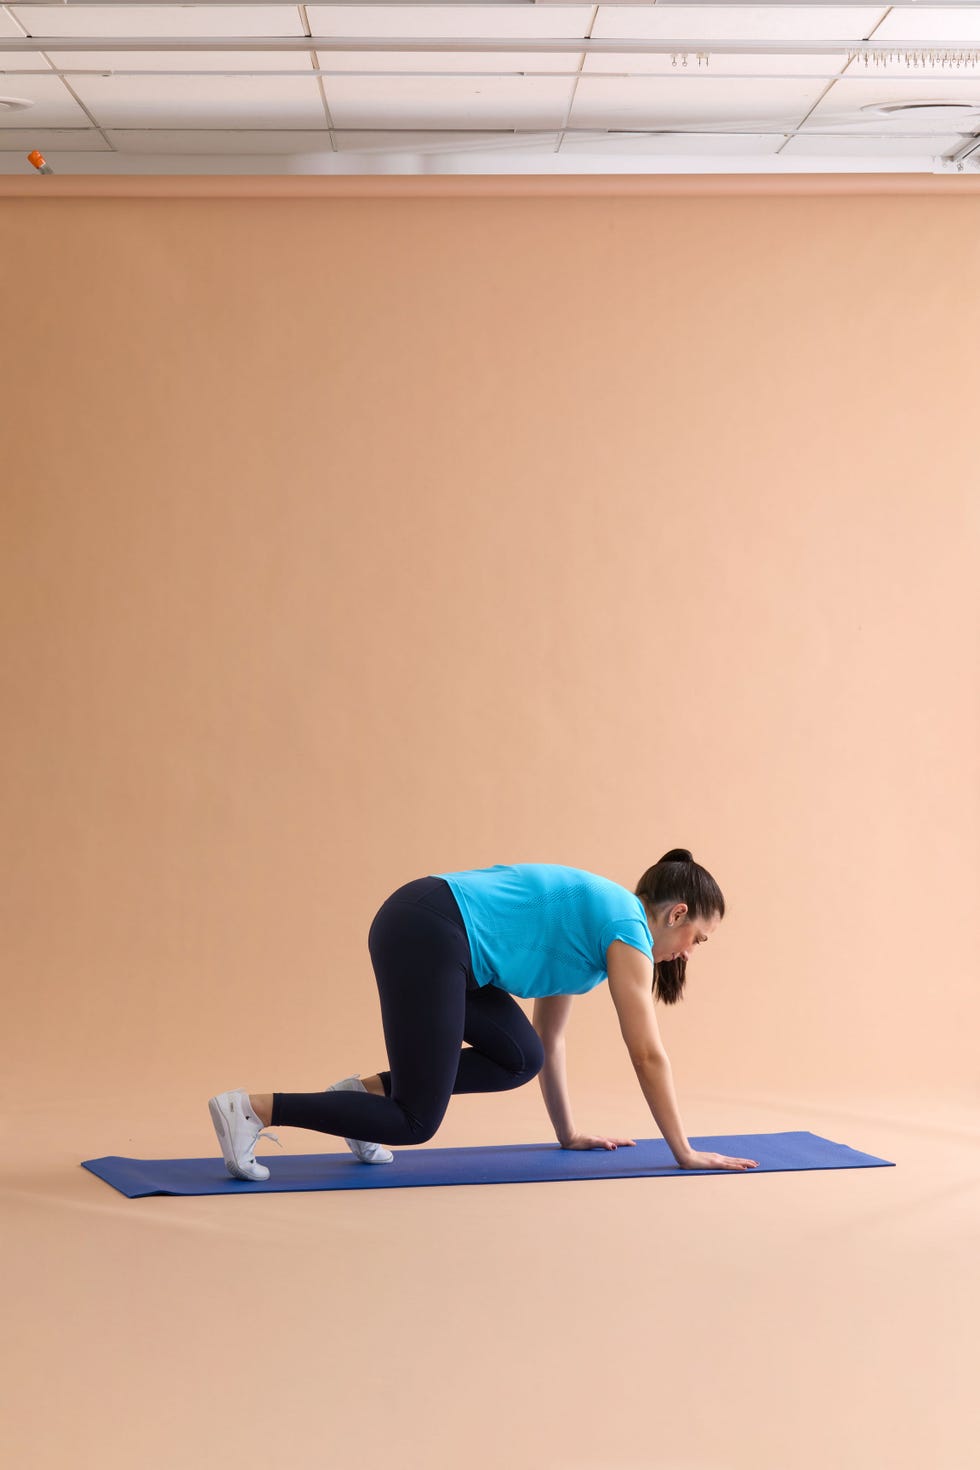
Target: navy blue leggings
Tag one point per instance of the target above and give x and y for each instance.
(430, 1005)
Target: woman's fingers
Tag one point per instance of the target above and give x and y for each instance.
(696, 1160)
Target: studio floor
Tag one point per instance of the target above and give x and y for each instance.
(796, 1321)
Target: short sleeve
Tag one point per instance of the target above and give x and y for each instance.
(630, 931)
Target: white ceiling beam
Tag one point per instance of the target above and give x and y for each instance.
(688, 75)
(18, 45)
(538, 5)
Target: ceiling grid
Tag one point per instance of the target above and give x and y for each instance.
(517, 86)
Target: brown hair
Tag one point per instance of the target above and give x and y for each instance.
(677, 878)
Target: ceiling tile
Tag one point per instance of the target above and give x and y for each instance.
(950, 23)
(450, 102)
(816, 67)
(736, 22)
(183, 61)
(871, 148)
(434, 143)
(159, 20)
(202, 102)
(672, 102)
(54, 106)
(448, 62)
(540, 22)
(239, 142)
(12, 61)
(847, 96)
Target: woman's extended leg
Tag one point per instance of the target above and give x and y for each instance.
(262, 1101)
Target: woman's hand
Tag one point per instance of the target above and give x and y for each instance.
(714, 1161)
(589, 1140)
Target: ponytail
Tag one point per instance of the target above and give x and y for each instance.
(677, 878)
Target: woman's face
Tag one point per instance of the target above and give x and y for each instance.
(675, 936)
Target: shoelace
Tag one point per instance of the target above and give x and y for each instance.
(262, 1133)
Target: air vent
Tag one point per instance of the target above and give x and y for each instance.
(14, 104)
(953, 114)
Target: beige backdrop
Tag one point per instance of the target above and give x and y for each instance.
(350, 540)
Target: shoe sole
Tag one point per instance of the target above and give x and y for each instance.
(224, 1138)
(355, 1144)
(350, 1142)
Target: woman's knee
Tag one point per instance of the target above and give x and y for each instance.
(423, 1126)
(533, 1058)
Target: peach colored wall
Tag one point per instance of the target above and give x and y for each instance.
(348, 540)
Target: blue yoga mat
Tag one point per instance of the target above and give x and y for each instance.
(509, 1163)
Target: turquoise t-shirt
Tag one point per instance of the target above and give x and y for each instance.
(543, 929)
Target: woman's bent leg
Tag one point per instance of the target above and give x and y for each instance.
(504, 1049)
(420, 965)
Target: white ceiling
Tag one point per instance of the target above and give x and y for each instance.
(632, 87)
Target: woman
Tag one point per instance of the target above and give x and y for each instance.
(450, 952)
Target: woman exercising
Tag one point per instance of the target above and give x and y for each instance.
(450, 952)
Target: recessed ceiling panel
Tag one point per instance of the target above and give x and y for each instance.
(446, 63)
(845, 100)
(450, 102)
(857, 147)
(459, 144)
(284, 142)
(238, 62)
(817, 68)
(540, 22)
(12, 61)
(54, 106)
(673, 101)
(243, 101)
(952, 23)
(159, 20)
(736, 22)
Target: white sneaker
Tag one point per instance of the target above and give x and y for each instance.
(368, 1153)
(238, 1129)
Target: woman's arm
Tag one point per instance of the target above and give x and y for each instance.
(554, 1086)
(551, 1014)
